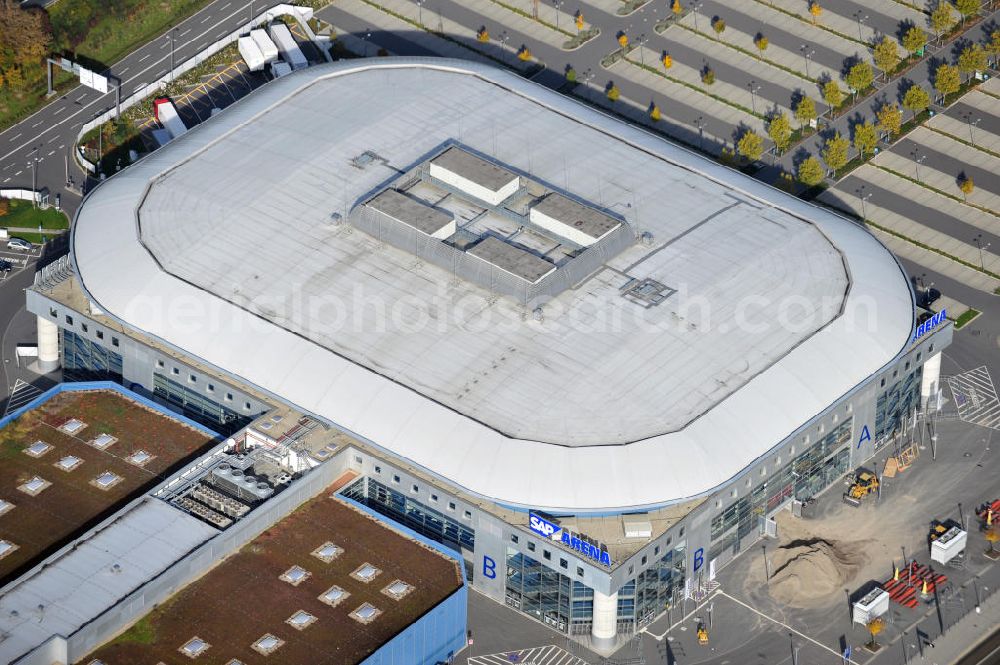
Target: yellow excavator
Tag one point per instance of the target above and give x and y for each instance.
(865, 483)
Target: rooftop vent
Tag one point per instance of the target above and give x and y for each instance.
(103, 441)
(398, 589)
(295, 575)
(333, 596)
(366, 613)
(566, 218)
(68, 463)
(6, 547)
(194, 647)
(34, 486)
(368, 158)
(72, 426)
(475, 176)
(300, 620)
(646, 292)
(139, 458)
(106, 480)
(327, 552)
(37, 449)
(267, 644)
(365, 573)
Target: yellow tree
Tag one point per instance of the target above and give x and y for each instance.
(622, 40)
(966, 185)
(865, 138)
(780, 130)
(815, 10)
(483, 36)
(942, 18)
(810, 172)
(676, 8)
(836, 152)
(805, 111)
(875, 626)
(524, 54)
(761, 42)
(579, 21)
(832, 94)
(751, 146)
(886, 55)
(654, 112)
(947, 80)
(914, 39)
(613, 93)
(719, 25)
(667, 61)
(993, 537)
(890, 119)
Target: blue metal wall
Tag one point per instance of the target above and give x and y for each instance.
(438, 635)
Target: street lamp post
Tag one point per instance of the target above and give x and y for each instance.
(979, 244)
(503, 44)
(420, 12)
(861, 17)
(557, 4)
(968, 119)
(171, 36)
(807, 55)
(34, 178)
(641, 41)
(917, 162)
(694, 10)
(754, 89)
(701, 132)
(864, 197)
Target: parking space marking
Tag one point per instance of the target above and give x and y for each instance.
(976, 397)
(546, 655)
(144, 57)
(123, 70)
(184, 33)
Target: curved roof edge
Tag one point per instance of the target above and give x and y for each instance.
(659, 471)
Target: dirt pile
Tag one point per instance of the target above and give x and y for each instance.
(811, 569)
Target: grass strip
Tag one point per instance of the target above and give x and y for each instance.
(957, 199)
(749, 53)
(964, 142)
(966, 318)
(692, 86)
(521, 12)
(812, 23)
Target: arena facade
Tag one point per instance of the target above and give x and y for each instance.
(592, 361)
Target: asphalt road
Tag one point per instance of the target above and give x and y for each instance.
(49, 134)
(986, 653)
(952, 165)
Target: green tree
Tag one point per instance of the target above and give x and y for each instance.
(859, 77)
(972, 59)
(751, 146)
(993, 45)
(865, 138)
(708, 76)
(780, 130)
(805, 111)
(942, 18)
(916, 99)
(832, 94)
(811, 172)
(967, 8)
(886, 55)
(947, 80)
(914, 39)
(836, 151)
(761, 42)
(25, 35)
(890, 119)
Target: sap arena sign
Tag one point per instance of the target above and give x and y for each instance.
(929, 325)
(585, 545)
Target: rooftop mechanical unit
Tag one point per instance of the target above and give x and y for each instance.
(244, 486)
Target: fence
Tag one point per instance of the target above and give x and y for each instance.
(301, 14)
(482, 273)
(23, 194)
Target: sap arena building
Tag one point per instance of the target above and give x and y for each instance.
(591, 361)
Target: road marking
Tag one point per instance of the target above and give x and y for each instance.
(36, 124)
(184, 33)
(59, 110)
(546, 655)
(51, 153)
(123, 70)
(16, 137)
(787, 627)
(976, 397)
(6, 179)
(143, 57)
(84, 108)
(205, 19)
(19, 173)
(81, 96)
(225, 6)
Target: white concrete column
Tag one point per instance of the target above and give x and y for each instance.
(48, 345)
(930, 379)
(605, 623)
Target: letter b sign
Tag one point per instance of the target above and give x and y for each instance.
(699, 559)
(489, 568)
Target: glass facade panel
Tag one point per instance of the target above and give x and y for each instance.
(896, 404)
(546, 594)
(84, 360)
(411, 513)
(198, 407)
(805, 476)
(652, 591)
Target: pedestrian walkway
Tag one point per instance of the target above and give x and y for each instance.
(786, 35)
(672, 92)
(937, 263)
(991, 87)
(952, 307)
(981, 166)
(975, 105)
(547, 655)
(496, 18)
(920, 213)
(882, 18)
(562, 17)
(774, 87)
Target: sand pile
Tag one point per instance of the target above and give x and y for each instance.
(811, 569)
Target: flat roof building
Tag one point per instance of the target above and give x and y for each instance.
(676, 343)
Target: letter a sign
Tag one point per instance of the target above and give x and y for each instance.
(865, 436)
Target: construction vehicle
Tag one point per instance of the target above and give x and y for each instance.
(702, 634)
(865, 483)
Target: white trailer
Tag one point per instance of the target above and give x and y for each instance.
(251, 53)
(874, 604)
(949, 545)
(166, 115)
(290, 51)
(264, 43)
